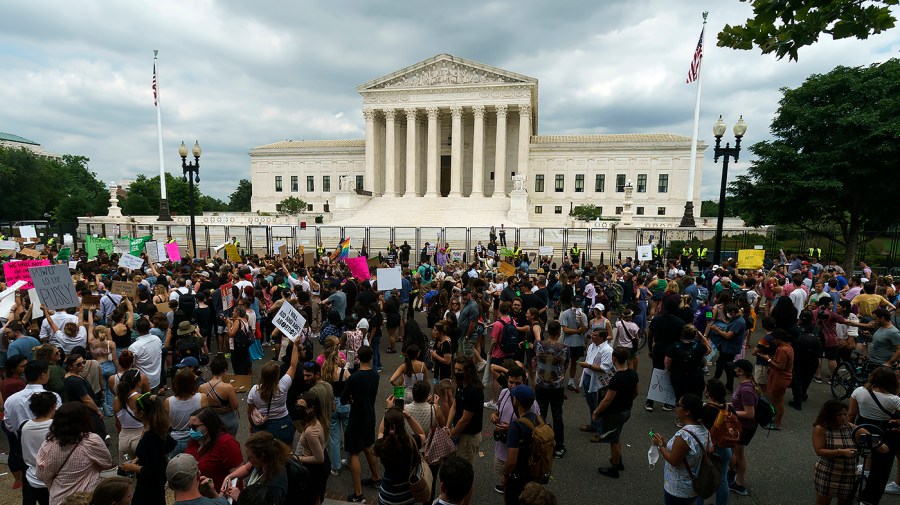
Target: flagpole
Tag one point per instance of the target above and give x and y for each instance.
(163, 201)
(687, 220)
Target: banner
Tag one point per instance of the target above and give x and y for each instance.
(456, 256)
(389, 278)
(18, 271)
(645, 253)
(93, 245)
(359, 267)
(54, 286)
(172, 252)
(64, 254)
(136, 245)
(130, 262)
(751, 258)
(227, 291)
(289, 321)
(661, 389)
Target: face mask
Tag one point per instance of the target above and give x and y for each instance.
(196, 434)
(460, 377)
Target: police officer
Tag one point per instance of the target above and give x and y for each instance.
(702, 252)
(659, 254)
(575, 253)
(814, 252)
(320, 251)
(686, 252)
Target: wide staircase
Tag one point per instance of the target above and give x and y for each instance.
(441, 211)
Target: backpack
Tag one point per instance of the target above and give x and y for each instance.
(187, 302)
(543, 443)
(426, 274)
(189, 346)
(709, 475)
(765, 413)
(509, 337)
(297, 478)
(726, 430)
(241, 338)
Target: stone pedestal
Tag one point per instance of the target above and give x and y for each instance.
(518, 206)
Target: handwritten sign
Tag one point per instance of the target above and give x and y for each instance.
(150, 247)
(163, 307)
(283, 251)
(545, 250)
(124, 288)
(161, 252)
(456, 255)
(309, 259)
(121, 245)
(644, 253)
(490, 253)
(90, 301)
(389, 278)
(232, 252)
(172, 252)
(36, 311)
(507, 269)
(289, 321)
(27, 232)
(751, 258)
(18, 271)
(11, 245)
(130, 262)
(430, 250)
(227, 291)
(54, 286)
(8, 298)
(31, 253)
(73, 265)
(661, 389)
(67, 239)
(359, 267)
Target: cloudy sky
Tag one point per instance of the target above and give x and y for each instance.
(234, 75)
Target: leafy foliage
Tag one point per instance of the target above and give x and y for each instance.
(587, 212)
(239, 201)
(831, 167)
(210, 204)
(784, 26)
(710, 208)
(292, 206)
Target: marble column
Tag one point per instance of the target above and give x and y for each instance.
(524, 139)
(431, 159)
(411, 168)
(456, 151)
(478, 152)
(369, 180)
(500, 176)
(390, 154)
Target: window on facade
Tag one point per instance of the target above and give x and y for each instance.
(538, 209)
(294, 184)
(579, 183)
(326, 183)
(660, 211)
(663, 183)
(309, 207)
(560, 183)
(557, 209)
(640, 211)
(359, 182)
(642, 183)
(600, 183)
(620, 183)
(310, 183)
(278, 183)
(492, 176)
(539, 183)
(618, 210)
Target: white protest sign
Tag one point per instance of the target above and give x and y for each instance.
(150, 247)
(67, 239)
(7, 298)
(491, 253)
(121, 246)
(73, 265)
(456, 255)
(289, 321)
(430, 250)
(661, 389)
(161, 253)
(389, 278)
(130, 262)
(54, 286)
(644, 253)
(277, 244)
(36, 311)
(9, 245)
(27, 232)
(546, 250)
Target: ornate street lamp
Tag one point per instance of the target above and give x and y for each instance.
(727, 152)
(190, 174)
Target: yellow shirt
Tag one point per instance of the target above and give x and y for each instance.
(868, 303)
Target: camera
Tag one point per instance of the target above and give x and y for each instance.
(500, 436)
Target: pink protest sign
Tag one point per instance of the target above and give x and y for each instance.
(18, 271)
(173, 252)
(359, 267)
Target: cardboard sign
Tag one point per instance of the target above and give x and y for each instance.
(289, 321)
(309, 258)
(152, 250)
(359, 267)
(172, 252)
(661, 389)
(18, 271)
(227, 291)
(90, 301)
(10, 245)
(301, 250)
(751, 258)
(389, 278)
(27, 232)
(373, 262)
(241, 383)
(130, 262)
(161, 253)
(124, 288)
(645, 253)
(283, 251)
(456, 256)
(277, 244)
(163, 307)
(232, 252)
(54, 286)
(7, 253)
(31, 253)
(507, 268)
(545, 250)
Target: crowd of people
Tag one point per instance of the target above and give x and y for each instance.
(482, 352)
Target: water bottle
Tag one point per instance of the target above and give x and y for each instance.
(653, 456)
(127, 459)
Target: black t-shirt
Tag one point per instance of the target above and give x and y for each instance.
(687, 359)
(623, 383)
(442, 371)
(366, 298)
(151, 481)
(469, 398)
(666, 330)
(75, 387)
(404, 252)
(566, 294)
(359, 392)
(508, 294)
(147, 308)
(519, 437)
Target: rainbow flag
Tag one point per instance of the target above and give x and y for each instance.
(343, 252)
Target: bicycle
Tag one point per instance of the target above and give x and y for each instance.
(849, 375)
(866, 443)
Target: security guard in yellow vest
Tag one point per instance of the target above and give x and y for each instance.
(659, 253)
(2, 236)
(686, 253)
(815, 252)
(517, 251)
(702, 252)
(320, 251)
(575, 253)
(51, 241)
(170, 240)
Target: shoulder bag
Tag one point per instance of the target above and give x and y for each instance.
(420, 479)
(438, 444)
(880, 406)
(257, 417)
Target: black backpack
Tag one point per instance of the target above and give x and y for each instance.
(297, 477)
(189, 346)
(187, 302)
(764, 413)
(509, 337)
(241, 338)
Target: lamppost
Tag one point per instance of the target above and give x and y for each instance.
(718, 130)
(191, 174)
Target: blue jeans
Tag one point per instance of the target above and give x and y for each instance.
(339, 418)
(592, 402)
(376, 359)
(108, 368)
(722, 491)
(282, 429)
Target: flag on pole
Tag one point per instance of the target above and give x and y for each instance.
(694, 72)
(155, 98)
(342, 252)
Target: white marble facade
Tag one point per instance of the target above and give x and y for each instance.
(453, 128)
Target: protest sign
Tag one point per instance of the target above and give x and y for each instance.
(124, 288)
(389, 278)
(7, 253)
(93, 245)
(645, 253)
(54, 286)
(227, 291)
(163, 307)
(456, 255)
(27, 232)
(359, 267)
(301, 250)
(374, 262)
(289, 321)
(121, 245)
(90, 301)
(64, 254)
(67, 239)
(73, 265)
(136, 245)
(751, 258)
(36, 311)
(130, 262)
(18, 271)
(491, 253)
(232, 252)
(661, 389)
(309, 259)
(161, 251)
(152, 251)
(507, 269)
(283, 251)
(277, 244)
(7, 297)
(31, 253)
(430, 250)
(172, 252)
(11, 245)
(546, 250)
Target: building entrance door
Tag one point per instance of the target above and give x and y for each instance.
(445, 175)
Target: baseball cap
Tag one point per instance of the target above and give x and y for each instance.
(363, 324)
(600, 307)
(188, 361)
(181, 470)
(523, 393)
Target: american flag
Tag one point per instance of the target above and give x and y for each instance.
(155, 99)
(694, 72)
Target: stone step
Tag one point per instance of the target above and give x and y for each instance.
(424, 211)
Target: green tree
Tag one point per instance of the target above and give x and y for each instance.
(587, 212)
(210, 204)
(138, 205)
(831, 168)
(292, 206)
(784, 26)
(710, 208)
(239, 201)
(176, 193)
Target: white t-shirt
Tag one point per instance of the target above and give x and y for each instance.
(869, 409)
(147, 351)
(33, 435)
(798, 298)
(68, 343)
(279, 399)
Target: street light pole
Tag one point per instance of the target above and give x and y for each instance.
(190, 174)
(727, 152)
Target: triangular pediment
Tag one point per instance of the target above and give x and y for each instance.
(445, 70)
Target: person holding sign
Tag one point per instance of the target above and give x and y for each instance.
(72, 334)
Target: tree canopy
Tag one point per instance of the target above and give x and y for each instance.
(292, 206)
(239, 201)
(832, 165)
(784, 26)
(177, 193)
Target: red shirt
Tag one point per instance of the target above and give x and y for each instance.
(217, 462)
(11, 385)
(496, 335)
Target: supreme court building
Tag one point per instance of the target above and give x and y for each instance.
(451, 141)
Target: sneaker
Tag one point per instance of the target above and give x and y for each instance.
(499, 488)
(559, 453)
(648, 407)
(668, 408)
(609, 471)
(345, 463)
(490, 405)
(356, 498)
(892, 488)
(740, 490)
(817, 379)
(371, 482)
(335, 473)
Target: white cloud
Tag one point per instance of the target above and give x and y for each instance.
(235, 75)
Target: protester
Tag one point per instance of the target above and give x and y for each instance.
(150, 454)
(683, 451)
(504, 416)
(220, 395)
(312, 448)
(269, 400)
(360, 392)
(114, 491)
(266, 460)
(552, 361)
(33, 434)
(614, 409)
(743, 401)
(781, 366)
(217, 453)
(186, 482)
(179, 407)
(876, 403)
(398, 450)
